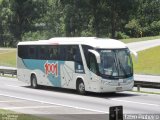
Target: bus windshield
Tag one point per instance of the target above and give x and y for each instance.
(115, 63)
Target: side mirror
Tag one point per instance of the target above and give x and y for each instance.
(97, 55)
(135, 55)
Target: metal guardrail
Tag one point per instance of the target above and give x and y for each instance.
(148, 84)
(6, 70)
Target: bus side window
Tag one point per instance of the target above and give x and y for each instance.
(23, 51)
(32, 52)
(42, 53)
(62, 52)
(70, 53)
(53, 52)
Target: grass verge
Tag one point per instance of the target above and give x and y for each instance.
(148, 62)
(8, 58)
(140, 39)
(10, 115)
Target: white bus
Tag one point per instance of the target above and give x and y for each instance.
(81, 63)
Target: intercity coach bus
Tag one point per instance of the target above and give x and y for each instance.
(81, 63)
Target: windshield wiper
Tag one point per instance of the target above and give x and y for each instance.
(121, 66)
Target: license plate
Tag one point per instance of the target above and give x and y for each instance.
(121, 80)
(118, 88)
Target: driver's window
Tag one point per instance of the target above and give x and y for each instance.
(92, 64)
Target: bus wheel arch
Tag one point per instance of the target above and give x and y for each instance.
(80, 86)
(33, 81)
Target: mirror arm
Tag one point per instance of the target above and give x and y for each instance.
(135, 54)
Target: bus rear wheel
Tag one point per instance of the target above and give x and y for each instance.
(34, 82)
(81, 87)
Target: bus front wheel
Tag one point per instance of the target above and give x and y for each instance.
(81, 87)
(34, 82)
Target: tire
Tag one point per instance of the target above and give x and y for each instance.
(34, 82)
(80, 87)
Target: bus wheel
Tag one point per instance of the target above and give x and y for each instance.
(34, 82)
(81, 87)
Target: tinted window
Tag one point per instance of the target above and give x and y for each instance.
(86, 53)
(53, 52)
(69, 53)
(22, 51)
(27, 52)
(62, 52)
(42, 52)
(50, 52)
(93, 66)
(32, 52)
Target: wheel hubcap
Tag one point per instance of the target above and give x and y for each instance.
(81, 87)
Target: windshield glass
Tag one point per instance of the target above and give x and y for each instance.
(115, 63)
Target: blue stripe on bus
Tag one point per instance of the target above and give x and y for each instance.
(54, 78)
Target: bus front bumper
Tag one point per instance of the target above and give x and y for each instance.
(119, 87)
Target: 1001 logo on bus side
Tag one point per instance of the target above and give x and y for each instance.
(51, 68)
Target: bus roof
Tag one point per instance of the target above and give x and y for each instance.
(91, 41)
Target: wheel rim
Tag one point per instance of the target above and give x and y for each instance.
(81, 87)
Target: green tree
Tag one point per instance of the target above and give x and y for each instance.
(25, 12)
(134, 28)
(147, 12)
(43, 19)
(6, 37)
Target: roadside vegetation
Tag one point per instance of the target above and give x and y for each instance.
(148, 62)
(140, 39)
(10, 115)
(24, 20)
(8, 58)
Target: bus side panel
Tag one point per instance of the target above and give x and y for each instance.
(49, 72)
(46, 71)
(22, 73)
(67, 70)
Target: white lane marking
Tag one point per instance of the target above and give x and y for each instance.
(58, 104)
(14, 86)
(10, 101)
(150, 104)
(119, 100)
(28, 107)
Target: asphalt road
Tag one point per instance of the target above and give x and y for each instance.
(139, 46)
(17, 96)
(148, 78)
